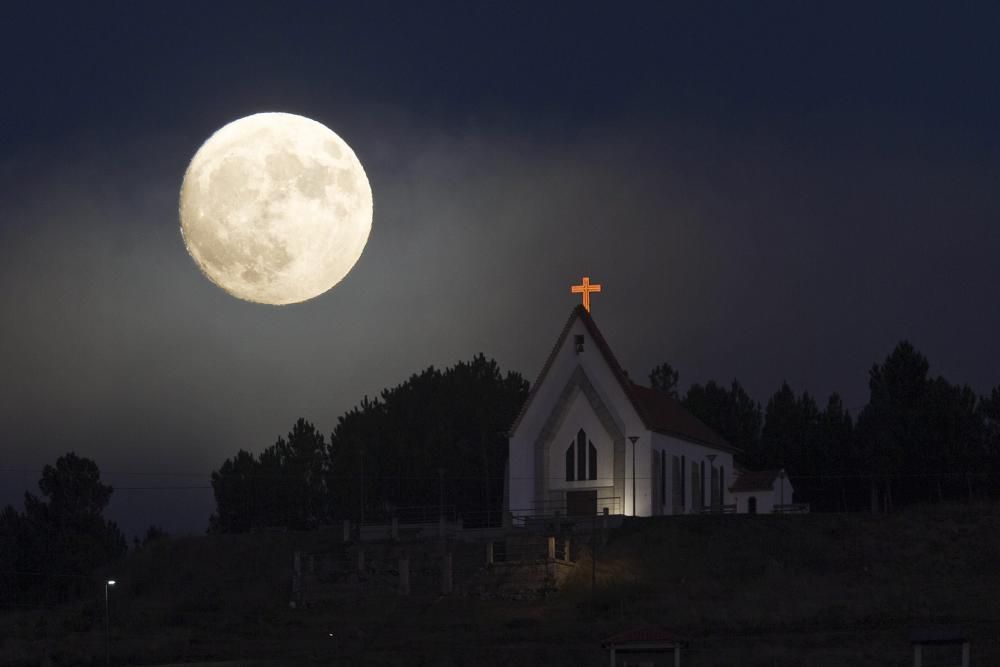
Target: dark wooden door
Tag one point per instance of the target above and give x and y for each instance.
(581, 503)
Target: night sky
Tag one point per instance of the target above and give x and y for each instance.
(766, 191)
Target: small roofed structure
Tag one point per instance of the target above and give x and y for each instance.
(764, 492)
(651, 645)
(935, 638)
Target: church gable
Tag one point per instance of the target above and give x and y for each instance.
(577, 445)
(579, 345)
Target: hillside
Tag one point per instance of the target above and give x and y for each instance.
(743, 590)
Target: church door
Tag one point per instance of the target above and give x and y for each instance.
(581, 503)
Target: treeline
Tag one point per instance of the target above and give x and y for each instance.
(918, 438)
(440, 437)
(49, 551)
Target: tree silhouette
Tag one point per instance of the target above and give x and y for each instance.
(731, 412)
(61, 537)
(664, 378)
(384, 454)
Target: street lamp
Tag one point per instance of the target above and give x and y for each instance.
(107, 622)
(711, 472)
(782, 476)
(633, 438)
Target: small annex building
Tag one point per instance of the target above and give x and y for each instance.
(762, 491)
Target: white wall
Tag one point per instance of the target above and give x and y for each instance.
(692, 453)
(565, 362)
(766, 499)
(581, 415)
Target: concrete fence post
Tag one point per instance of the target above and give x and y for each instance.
(552, 548)
(404, 575)
(489, 553)
(296, 579)
(566, 550)
(361, 559)
(347, 530)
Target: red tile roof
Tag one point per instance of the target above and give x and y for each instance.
(658, 411)
(664, 414)
(755, 480)
(643, 634)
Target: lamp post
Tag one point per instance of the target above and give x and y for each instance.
(781, 475)
(711, 472)
(633, 439)
(107, 622)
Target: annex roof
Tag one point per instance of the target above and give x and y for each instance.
(754, 480)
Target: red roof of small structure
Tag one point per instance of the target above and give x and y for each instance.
(650, 633)
(658, 411)
(755, 480)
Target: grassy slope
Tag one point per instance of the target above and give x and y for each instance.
(765, 590)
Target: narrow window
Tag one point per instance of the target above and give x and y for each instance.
(701, 482)
(722, 485)
(663, 477)
(696, 497)
(593, 460)
(683, 482)
(581, 455)
(675, 486)
(569, 463)
(752, 505)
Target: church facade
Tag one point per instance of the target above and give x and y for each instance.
(588, 439)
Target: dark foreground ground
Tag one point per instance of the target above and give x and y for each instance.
(766, 590)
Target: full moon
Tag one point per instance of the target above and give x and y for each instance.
(275, 208)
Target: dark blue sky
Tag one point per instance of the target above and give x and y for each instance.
(767, 191)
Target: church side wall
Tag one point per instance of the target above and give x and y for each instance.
(693, 454)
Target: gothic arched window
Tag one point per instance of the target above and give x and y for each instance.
(581, 459)
(581, 454)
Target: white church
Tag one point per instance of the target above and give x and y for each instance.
(588, 439)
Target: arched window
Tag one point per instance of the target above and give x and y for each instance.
(751, 505)
(592, 460)
(581, 459)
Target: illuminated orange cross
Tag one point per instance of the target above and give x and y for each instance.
(585, 289)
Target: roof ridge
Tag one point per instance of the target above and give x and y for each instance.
(698, 432)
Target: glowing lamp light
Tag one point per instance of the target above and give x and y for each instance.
(111, 582)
